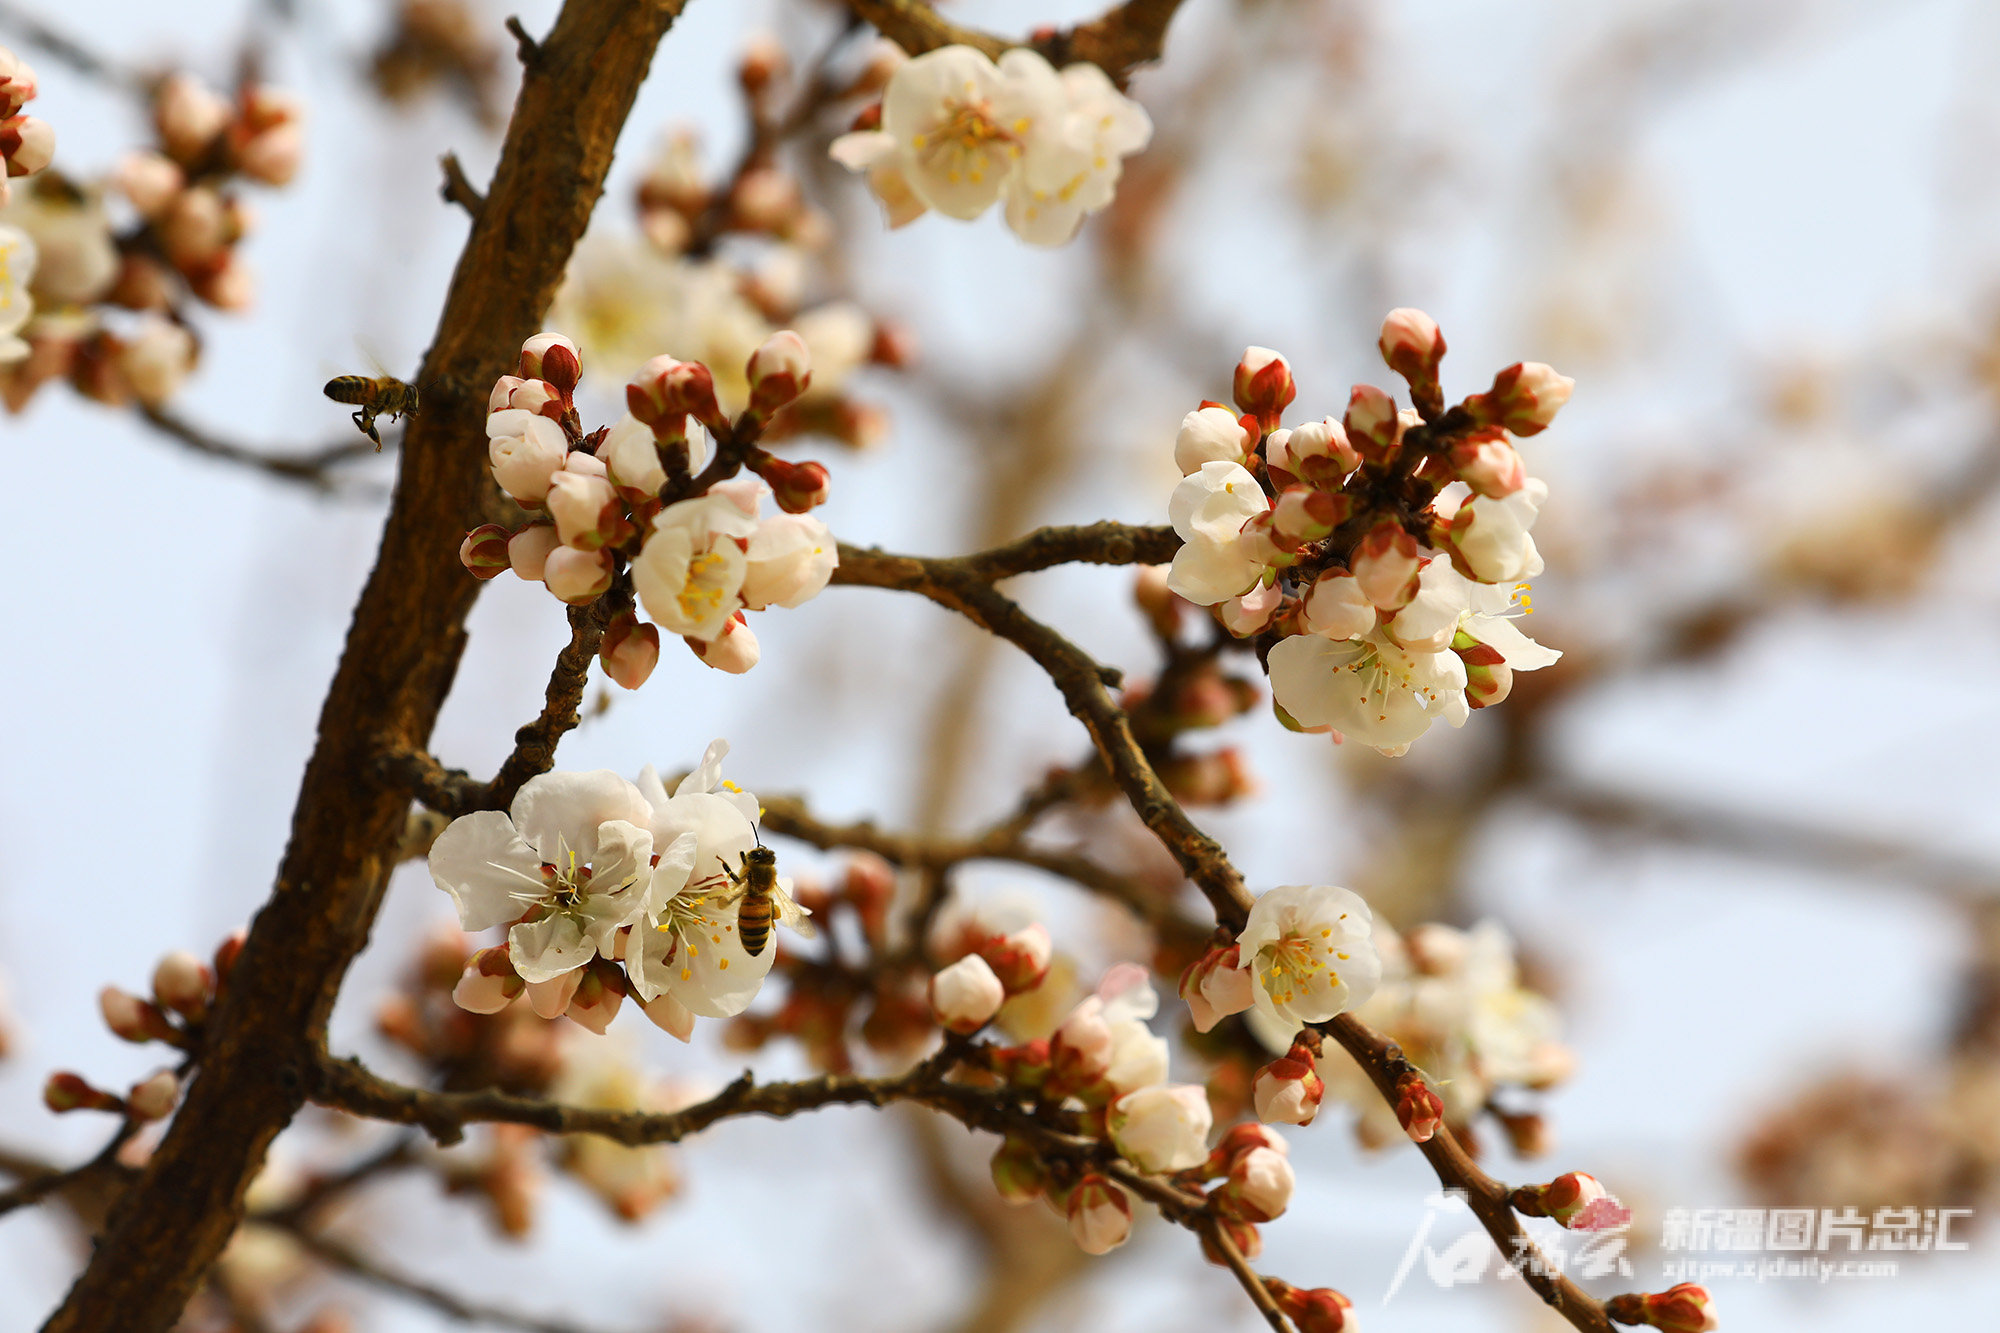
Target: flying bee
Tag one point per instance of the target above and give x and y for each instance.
(755, 883)
(380, 396)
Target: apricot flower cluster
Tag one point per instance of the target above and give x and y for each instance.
(647, 505)
(1379, 558)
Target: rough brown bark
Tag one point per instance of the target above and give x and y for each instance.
(402, 650)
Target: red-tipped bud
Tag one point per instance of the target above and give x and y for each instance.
(1213, 434)
(1259, 540)
(1288, 1090)
(965, 996)
(537, 396)
(1317, 453)
(1525, 398)
(132, 1018)
(576, 576)
(629, 650)
(484, 551)
(1260, 1186)
(1244, 1236)
(154, 1098)
(28, 143)
(226, 954)
(528, 550)
(183, 983)
(1418, 1109)
(1305, 514)
(764, 63)
(1488, 678)
(1018, 1172)
(666, 391)
(68, 1092)
(1686, 1308)
(1019, 960)
(1488, 462)
(779, 371)
(1320, 1310)
(1240, 1139)
(598, 996)
(797, 487)
(1264, 386)
(1374, 427)
(1574, 1200)
(1412, 345)
(1385, 566)
(552, 357)
(735, 650)
(1100, 1215)
(1024, 1066)
(489, 982)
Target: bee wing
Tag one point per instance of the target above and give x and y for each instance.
(792, 915)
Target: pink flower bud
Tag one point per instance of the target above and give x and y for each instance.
(1264, 386)
(1412, 345)
(1162, 1128)
(272, 156)
(1260, 541)
(1316, 453)
(537, 396)
(779, 371)
(183, 984)
(1687, 1308)
(226, 954)
(1524, 399)
(577, 577)
(1246, 1137)
(1018, 1172)
(552, 357)
(1020, 960)
(69, 1092)
(1385, 566)
(1305, 514)
(1336, 607)
(1260, 1186)
(1321, 1310)
(665, 391)
(1249, 613)
(1575, 1200)
(1215, 986)
(489, 983)
(1100, 1216)
(797, 487)
(17, 83)
(1374, 426)
(528, 550)
(1489, 463)
(734, 650)
(965, 996)
(224, 281)
(526, 451)
(188, 115)
(1212, 434)
(28, 144)
(132, 1018)
(195, 227)
(629, 650)
(484, 551)
(149, 180)
(584, 507)
(154, 1098)
(1288, 1090)
(1080, 1051)
(1418, 1109)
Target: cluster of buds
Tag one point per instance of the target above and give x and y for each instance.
(1193, 693)
(1686, 1308)
(440, 42)
(1378, 556)
(1288, 1090)
(151, 1098)
(1575, 1200)
(995, 962)
(26, 143)
(483, 1044)
(642, 506)
(184, 994)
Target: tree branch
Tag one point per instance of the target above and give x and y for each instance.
(402, 650)
(1130, 35)
(314, 469)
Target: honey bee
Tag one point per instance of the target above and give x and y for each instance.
(382, 396)
(755, 883)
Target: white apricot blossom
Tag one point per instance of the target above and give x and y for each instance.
(689, 574)
(1368, 688)
(788, 561)
(526, 451)
(1162, 1127)
(1309, 953)
(568, 866)
(1074, 171)
(1492, 534)
(1208, 509)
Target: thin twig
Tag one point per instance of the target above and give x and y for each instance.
(314, 469)
(457, 189)
(66, 49)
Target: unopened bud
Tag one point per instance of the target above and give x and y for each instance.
(1288, 1090)
(1385, 566)
(1240, 1139)
(1263, 385)
(69, 1092)
(1100, 1216)
(1320, 1310)
(1488, 678)
(132, 1018)
(489, 982)
(28, 143)
(537, 396)
(1418, 1109)
(552, 357)
(1248, 613)
(1260, 1186)
(779, 371)
(598, 996)
(1527, 1133)
(1306, 514)
(226, 954)
(1018, 1172)
(18, 85)
(797, 487)
(1260, 541)
(585, 508)
(734, 650)
(183, 984)
(484, 551)
(188, 115)
(528, 550)
(1213, 434)
(577, 577)
(870, 887)
(1412, 345)
(965, 996)
(1316, 453)
(1687, 1308)
(1020, 960)
(155, 1098)
(1374, 426)
(629, 650)
(149, 180)
(1336, 607)
(1489, 463)
(1524, 399)
(1160, 603)
(666, 391)
(764, 63)
(1575, 1200)
(1243, 1236)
